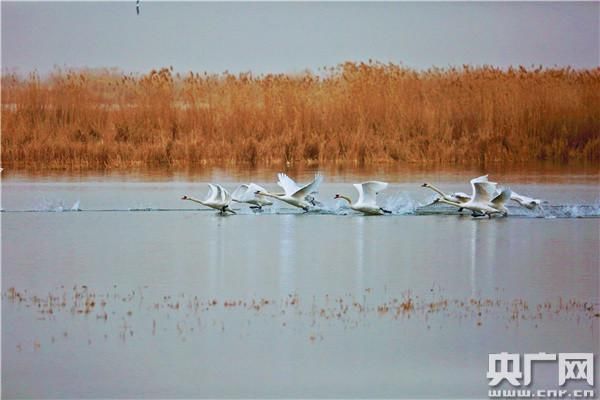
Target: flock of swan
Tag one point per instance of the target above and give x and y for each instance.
(487, 198)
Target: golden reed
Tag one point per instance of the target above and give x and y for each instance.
(355, 112)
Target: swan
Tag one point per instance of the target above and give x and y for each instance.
(247, 194)
(526, 201)
(457, 197)
(482, 202)
(523, 201)
(295, 195)
(491, 187)
(367, 192)
(218, 198)
(460, 197)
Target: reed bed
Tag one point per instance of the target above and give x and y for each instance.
(362, 113)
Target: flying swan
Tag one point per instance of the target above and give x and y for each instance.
(218, 198)
(247, 194)
(367, 202)
(295, 195)
(482, 203)
(460, 197)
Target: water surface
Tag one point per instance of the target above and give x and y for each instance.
(140, 294)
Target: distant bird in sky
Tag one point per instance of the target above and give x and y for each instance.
(137, 7)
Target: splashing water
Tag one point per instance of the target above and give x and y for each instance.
(400, 204)
(51, 205)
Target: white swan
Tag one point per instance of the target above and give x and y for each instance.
(525, 201)
(295, 195)
(463, 198)
(482, 202)
(218, 198)
(247, 194)
(367, 202)
(456, 197)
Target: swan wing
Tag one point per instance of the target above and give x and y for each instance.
(212, 194)
(367, 191)
(225, 196)
(311, 188)
(525, 201)
(251, 193)
(287, 184)
(502, 198)
(361, 195)
(461, 197)
(484, 184)
(480, 192)
(240, 193)
(482, 178)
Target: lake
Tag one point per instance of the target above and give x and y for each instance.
(114, 287)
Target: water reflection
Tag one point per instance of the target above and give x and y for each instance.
(360, 255)
(287, 262)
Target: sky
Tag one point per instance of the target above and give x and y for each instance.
(267, 37)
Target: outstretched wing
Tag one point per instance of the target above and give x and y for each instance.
(240, 193)
(525, 200)
(461, 197)
(484, 185)
(502, 198)
(480, 193)
(287, 184)
(225, 196)
(212, 194)
(367, 191)
(251, 193)
(311, 188)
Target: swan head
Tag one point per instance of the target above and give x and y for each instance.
(337, 196)
(184, 198)
(425, 185)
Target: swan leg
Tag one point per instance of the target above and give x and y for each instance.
(225, 209)
(305, 209)
(460, 209)
(385, 211)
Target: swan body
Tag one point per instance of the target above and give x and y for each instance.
(457, 197)
(294, 194)
(247, 194)
(523, 201)
(526, 201)
(482, 202)
(460, 198)
(367, 202)
(218, 198)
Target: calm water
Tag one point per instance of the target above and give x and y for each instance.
(140, 294)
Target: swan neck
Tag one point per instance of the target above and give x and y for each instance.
(438, 191)
(452, 203)
(346, 198)
(195, 200)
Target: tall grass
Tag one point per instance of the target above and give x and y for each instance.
(355, 112)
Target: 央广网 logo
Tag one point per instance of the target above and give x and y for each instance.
(571, 366)
(517, 371)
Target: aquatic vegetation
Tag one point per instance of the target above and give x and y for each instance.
(361, 113)
(183, 312)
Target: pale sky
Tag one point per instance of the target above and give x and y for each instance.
(290, 37)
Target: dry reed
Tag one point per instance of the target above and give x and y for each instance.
(356, 112)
